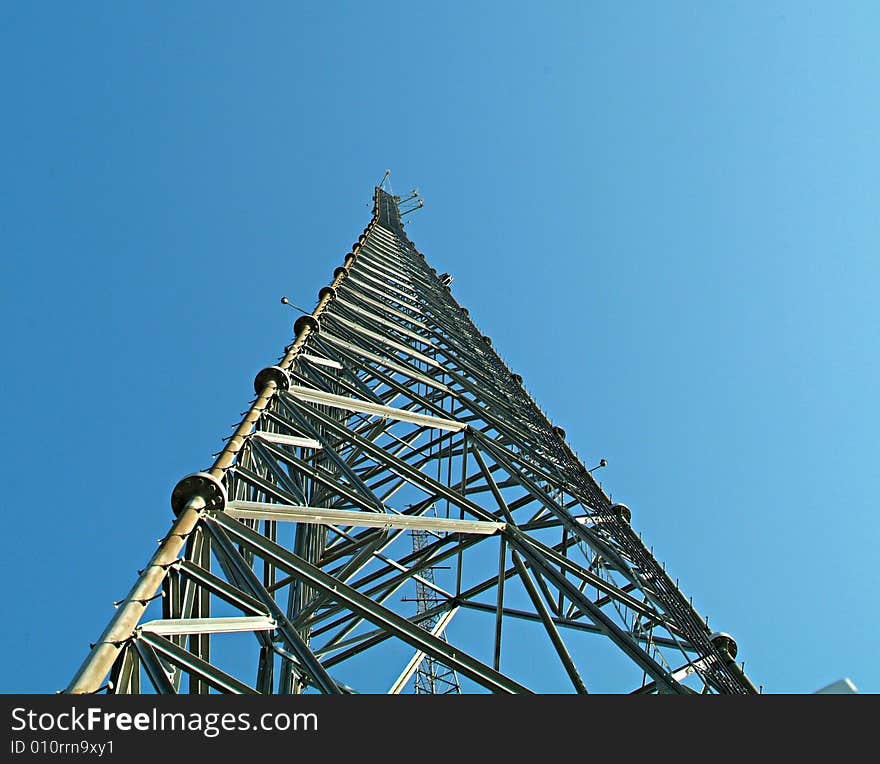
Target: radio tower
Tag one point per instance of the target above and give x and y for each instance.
(389, 440)
(432, 678)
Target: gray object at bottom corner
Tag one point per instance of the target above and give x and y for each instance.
(840, 687)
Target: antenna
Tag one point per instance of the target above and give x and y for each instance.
(285, 301)
(421, 203)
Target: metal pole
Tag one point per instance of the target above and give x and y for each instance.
(118, 631)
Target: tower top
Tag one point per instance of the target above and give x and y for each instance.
(386, 210)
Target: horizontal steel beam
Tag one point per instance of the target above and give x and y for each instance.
(288, 440)
(321, 361)
(257, 510)
(366, 407)
(174, 626)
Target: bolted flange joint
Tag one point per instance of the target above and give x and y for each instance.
(622, 511)
(725, 643)
(271, 374)
(327, 291)
(198, 484)
(303, 321)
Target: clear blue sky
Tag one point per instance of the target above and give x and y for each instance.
(664, 215)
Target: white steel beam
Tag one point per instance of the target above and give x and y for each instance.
(288, 440)
(311, 395)
(258, 510)
(321, 361)
(175, 626)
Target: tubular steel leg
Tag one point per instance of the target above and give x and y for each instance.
(119, 630)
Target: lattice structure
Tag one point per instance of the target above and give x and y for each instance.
(285, 567)
(432, 677)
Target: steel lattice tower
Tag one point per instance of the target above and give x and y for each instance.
(389, 415)
(432, 678)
